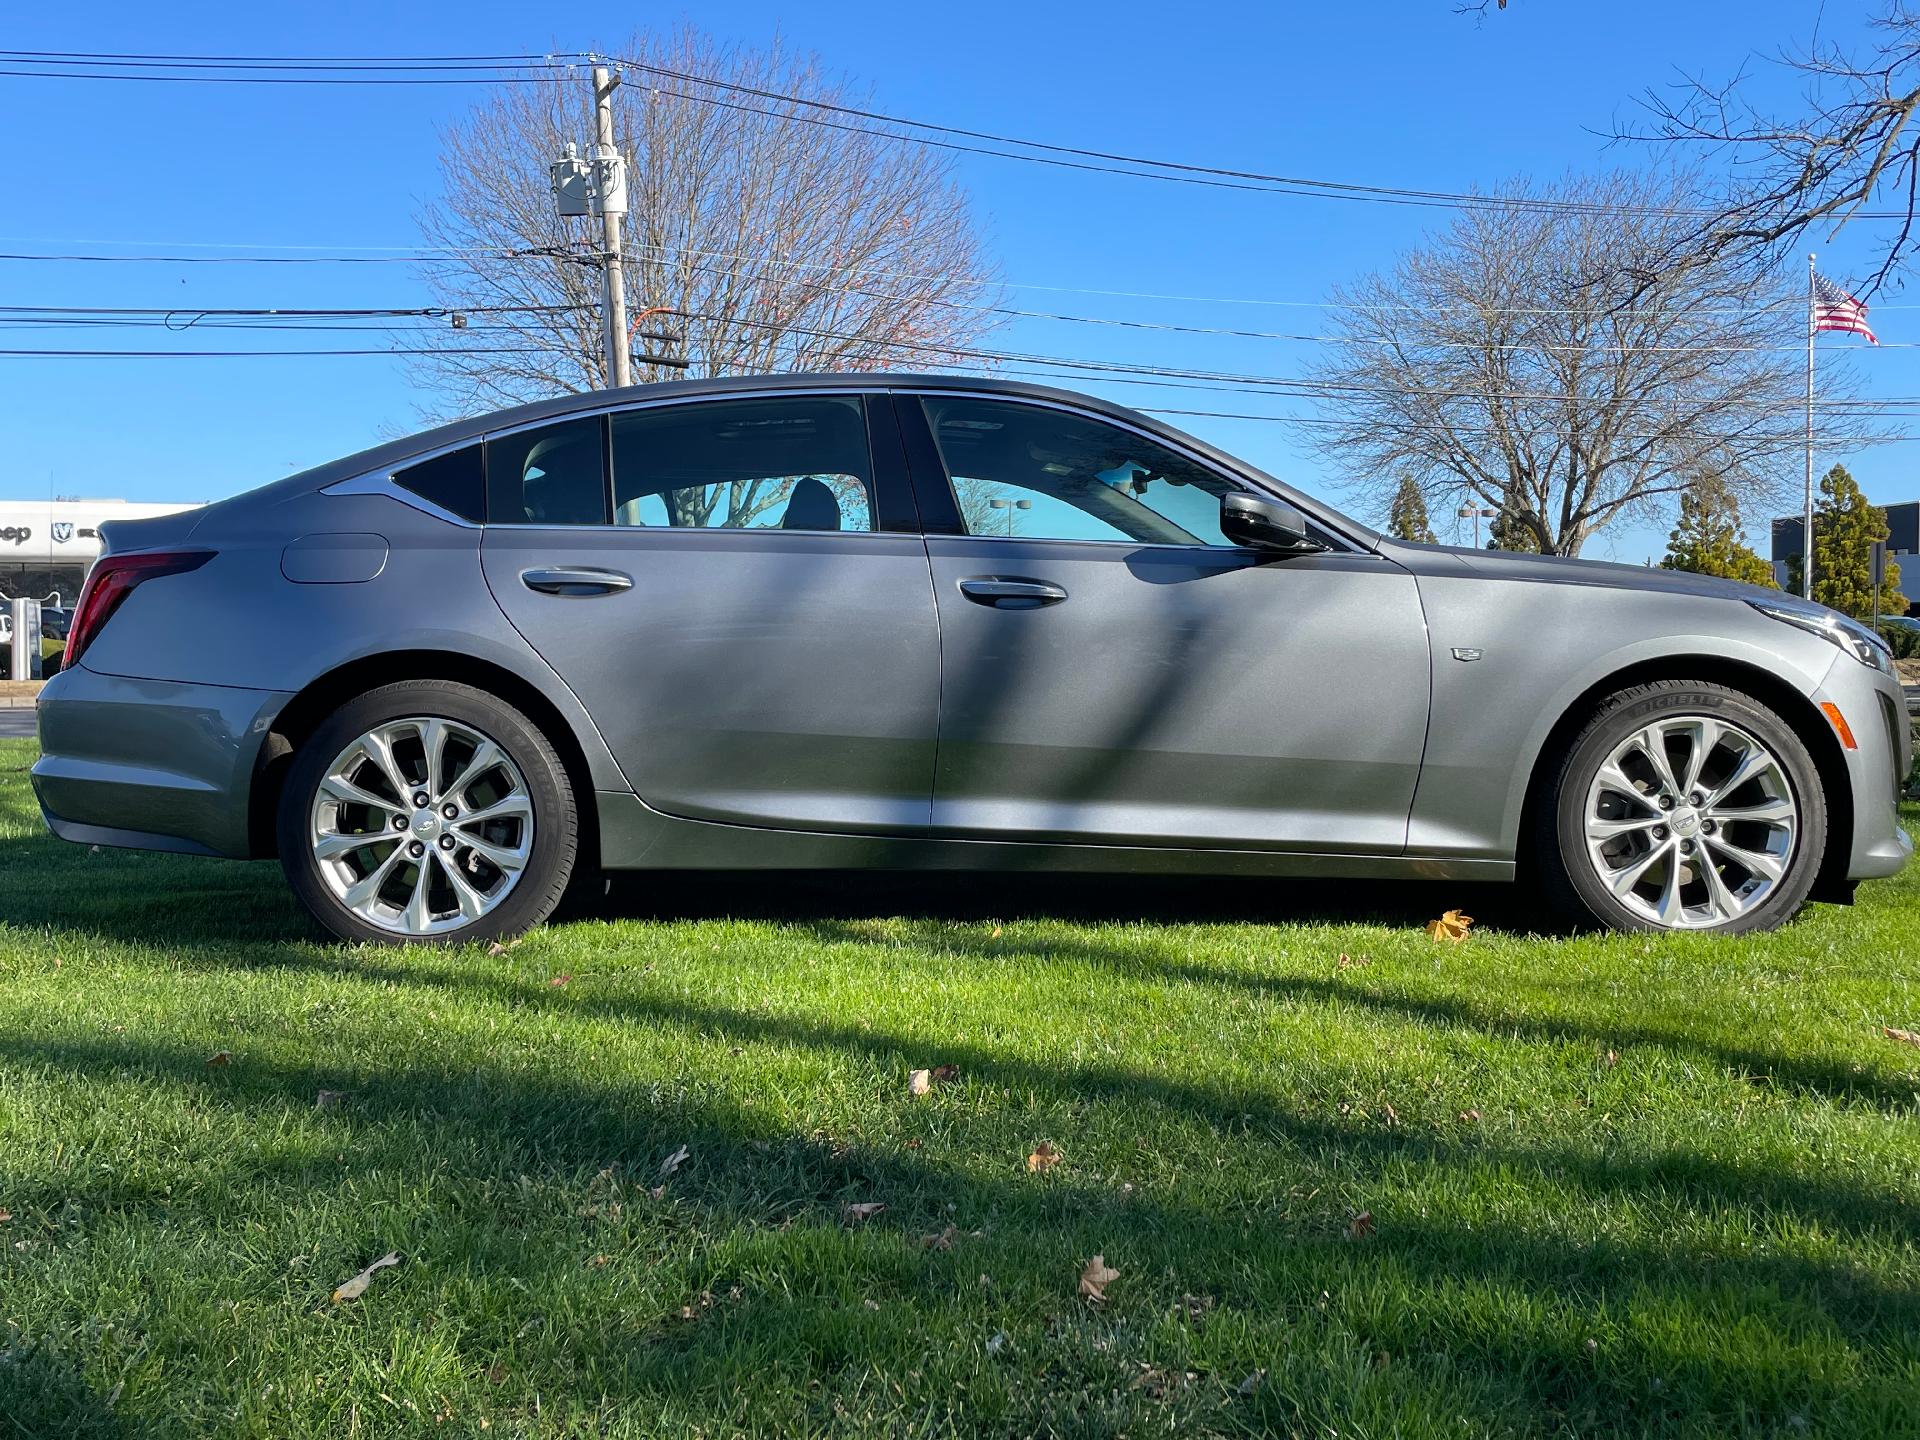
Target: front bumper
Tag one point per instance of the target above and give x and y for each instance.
(150, 764)
(1875, 711)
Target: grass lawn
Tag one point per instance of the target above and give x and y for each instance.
(1352, 1181)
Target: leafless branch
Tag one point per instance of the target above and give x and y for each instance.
(1572, 367)
(1856, 144)
(769, 245)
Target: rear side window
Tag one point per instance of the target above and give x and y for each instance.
(456, 482)
(788, 463)
(555, 475)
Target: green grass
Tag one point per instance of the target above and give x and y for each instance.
(1616, 1185)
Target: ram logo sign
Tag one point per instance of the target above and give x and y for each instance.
(62, 531)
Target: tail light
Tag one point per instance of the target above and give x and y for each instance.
(112, 579)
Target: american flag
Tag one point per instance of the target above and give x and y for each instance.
(1835, 309)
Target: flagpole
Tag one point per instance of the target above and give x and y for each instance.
(1806, 528)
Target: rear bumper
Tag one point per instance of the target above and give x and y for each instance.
(150, 764)
(1876, 713)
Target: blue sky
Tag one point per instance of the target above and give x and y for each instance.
(1400, 94)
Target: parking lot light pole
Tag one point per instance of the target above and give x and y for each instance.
(998, 502)
(1477, 512)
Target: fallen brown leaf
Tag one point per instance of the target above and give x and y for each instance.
(1613, 1059)
(674, 1161)
(559, 980)
(942, 1241)
(1095, 1279)
(1393, 1115)
(498, 949)
(1905, 1037)
(1042, 1157)
(1361, 1226)
(356, 1287)
(860, 1211)
(1469, 1115)
(600, 1260)
(497, 1373)
(1450, 926)
(1350, 962)
(656, 1192)
(5, 1215)
(919, 1082)
(220, 1057)
(945, 1074)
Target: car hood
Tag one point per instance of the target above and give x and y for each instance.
(1560, 570)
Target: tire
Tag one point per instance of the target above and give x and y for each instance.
(338, 790)
(1745, 860)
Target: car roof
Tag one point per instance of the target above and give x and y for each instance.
(581, 401)
(398, 452)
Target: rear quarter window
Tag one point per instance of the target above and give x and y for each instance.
(456, 482)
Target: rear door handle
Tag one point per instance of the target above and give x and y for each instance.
(575, 580)
(1011, 594)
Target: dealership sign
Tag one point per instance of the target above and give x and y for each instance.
(63, 532)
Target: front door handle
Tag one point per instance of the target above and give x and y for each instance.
(1011, 594)
(575, 580)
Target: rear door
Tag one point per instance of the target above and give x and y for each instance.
(1117, 672)
(736, 589)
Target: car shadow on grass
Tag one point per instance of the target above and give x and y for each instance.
(237, 907)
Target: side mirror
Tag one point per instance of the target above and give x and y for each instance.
(1262, 524)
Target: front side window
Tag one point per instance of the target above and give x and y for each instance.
(553, 475)
(1025, 472)
(792, 463)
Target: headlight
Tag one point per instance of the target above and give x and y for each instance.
(1850, 635)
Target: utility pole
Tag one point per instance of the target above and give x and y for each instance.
(610, 186)
(599, 187)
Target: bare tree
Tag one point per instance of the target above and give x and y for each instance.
(1854, 144)
(1561, 365)
(769, 241)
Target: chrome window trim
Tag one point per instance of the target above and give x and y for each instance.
(1204, 462)
(655, 402)
(1265, 557)
(382, 483)
(704, 530)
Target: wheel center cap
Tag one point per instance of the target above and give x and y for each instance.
(424, 824)
(1685, 820)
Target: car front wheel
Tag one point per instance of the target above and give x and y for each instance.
(427, 812)
(1685, 806)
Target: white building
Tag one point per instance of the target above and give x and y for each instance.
(47, 545)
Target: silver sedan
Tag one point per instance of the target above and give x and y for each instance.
(921, 622)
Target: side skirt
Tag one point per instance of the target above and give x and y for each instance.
(633, 837)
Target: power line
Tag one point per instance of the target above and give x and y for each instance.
(9, 74)
(419, 255)
(961, 139)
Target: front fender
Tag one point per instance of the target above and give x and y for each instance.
(1542, 648)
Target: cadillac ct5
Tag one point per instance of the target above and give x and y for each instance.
(922, 622)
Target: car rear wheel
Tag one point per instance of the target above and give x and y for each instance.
(1684, 806)
(427, 812)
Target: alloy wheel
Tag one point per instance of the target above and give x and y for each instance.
(421, 826)
(1691, 822)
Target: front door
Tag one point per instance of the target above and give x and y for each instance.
(735, 591)
(1117, 672)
